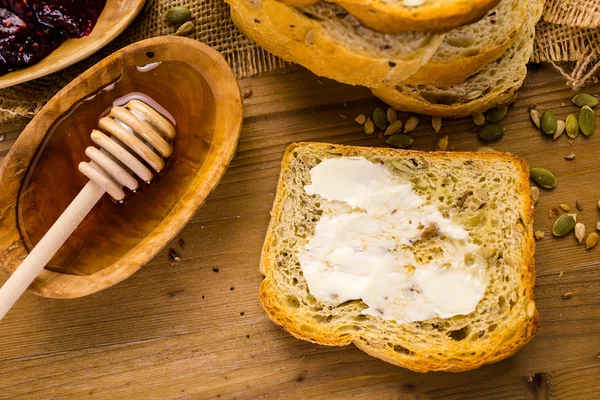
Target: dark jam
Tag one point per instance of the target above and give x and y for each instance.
(32, 29)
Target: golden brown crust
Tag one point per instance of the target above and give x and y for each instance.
(287, 33)
(515, 337)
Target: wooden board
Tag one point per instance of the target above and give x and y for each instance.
(195, 330)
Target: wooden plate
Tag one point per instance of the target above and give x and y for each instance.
(39, 177)
(117, 16)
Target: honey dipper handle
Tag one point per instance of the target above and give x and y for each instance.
(43, 252)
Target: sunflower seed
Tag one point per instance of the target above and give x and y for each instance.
(598, 226)
(584, 99)
(591, 241)
(570, 156)
(479, 119)
(565, 207)
(185, 29)
(579, 232)
(560, 128)
(535, 194)
(392, 115)
(535, 117)
(486, 149)
(578, 205)
(369, 126)
(436, 123)
(567, 295)
(411, 124)
(360, 119)
(442, 144)
(394, 128)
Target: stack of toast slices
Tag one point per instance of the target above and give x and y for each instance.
(445, 58)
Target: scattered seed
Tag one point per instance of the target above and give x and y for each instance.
(400, 141)
(436, 123)
(570, 156)
(177, 15)
(584, 99)
(181, 243)
(360, 119)
(411, 124)
(535, 194)
(442, 144)
(572, 126)
(497, 114)
(598, 226)
(565, 207)
(543, 177)
(560, 128)
(560, 275)
(485, 149)
(147, 6)
(185, 29)
(369, 127)
(174, 257)
(564, 224)
(548, 123)
(216, 270)
(567, 295)
(394, 128)
(578, 205)
(479, 119)
(247, 93)
(530, 309)
(472, 95)
(599, 204)
(553, 212)
(380, 118)
(493, 131)
(587, 121)
(535, 117)
(579, 232)
(539, 235)
(591, 241)
(392, 115)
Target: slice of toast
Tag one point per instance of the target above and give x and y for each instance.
(413, 15)
(487, 193)
(330, 42)
(496, 84)
(468, 49)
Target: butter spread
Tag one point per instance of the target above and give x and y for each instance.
(363, 247)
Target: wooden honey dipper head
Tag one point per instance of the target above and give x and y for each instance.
(134, 141)
(137, 140)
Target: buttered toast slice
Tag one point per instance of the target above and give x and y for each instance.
(496, 84)
(330, 42)
(393, 16)
(424, 260)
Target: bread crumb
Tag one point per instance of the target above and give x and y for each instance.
(560, 275)
(539, 235)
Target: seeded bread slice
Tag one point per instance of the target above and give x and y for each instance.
(393, 16)
(468, 49)
(487, 193)
(330, 42)
(496, 84)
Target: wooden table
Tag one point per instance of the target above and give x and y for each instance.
(196, 330)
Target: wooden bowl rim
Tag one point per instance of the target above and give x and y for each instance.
(42, 68)
(229, 106)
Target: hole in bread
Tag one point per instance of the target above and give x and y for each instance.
(292, 302)
(459, 334)
(462, 41)
(402, 350)
(492, 327)
(470, 53)
(502, 303)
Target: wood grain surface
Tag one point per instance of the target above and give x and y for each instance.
(195, 330)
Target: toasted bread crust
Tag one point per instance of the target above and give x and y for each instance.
(521, 333)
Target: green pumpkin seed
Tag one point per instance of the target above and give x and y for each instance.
(572, 126)
(587, 122)
(584, 99)
(548, 123)
(400, 141)
(496, 114)
(178, 15)
(564, 224)
(491, 132)
(147, 6)
(543, 177)
(380, 118)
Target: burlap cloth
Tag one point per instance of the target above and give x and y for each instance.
(568, 36)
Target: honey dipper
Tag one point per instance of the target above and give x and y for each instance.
(138, 133)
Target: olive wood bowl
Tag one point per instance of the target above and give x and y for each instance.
(39, 177)
(116, 16)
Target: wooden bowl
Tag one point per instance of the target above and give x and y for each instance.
(39, 177)
(116, 16)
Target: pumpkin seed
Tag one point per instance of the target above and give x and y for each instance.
(380, 118)
(564, 224)
(479, 119)
(147, 6)
(543, 177)
(572, 126)
(392, 115)
(177, 15)
(591, 241)
(436, 123)
(535, 194)
(586, 120)
(579, 232)
(492, 131)
(497, 114)
(394, 128)
(360, 119)
(548, 123)
(185, 29)
(400, 141)
(442, 144)
(535, 117)
(411, 124)
(560, 128)
(584, 99)
(369, 127)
